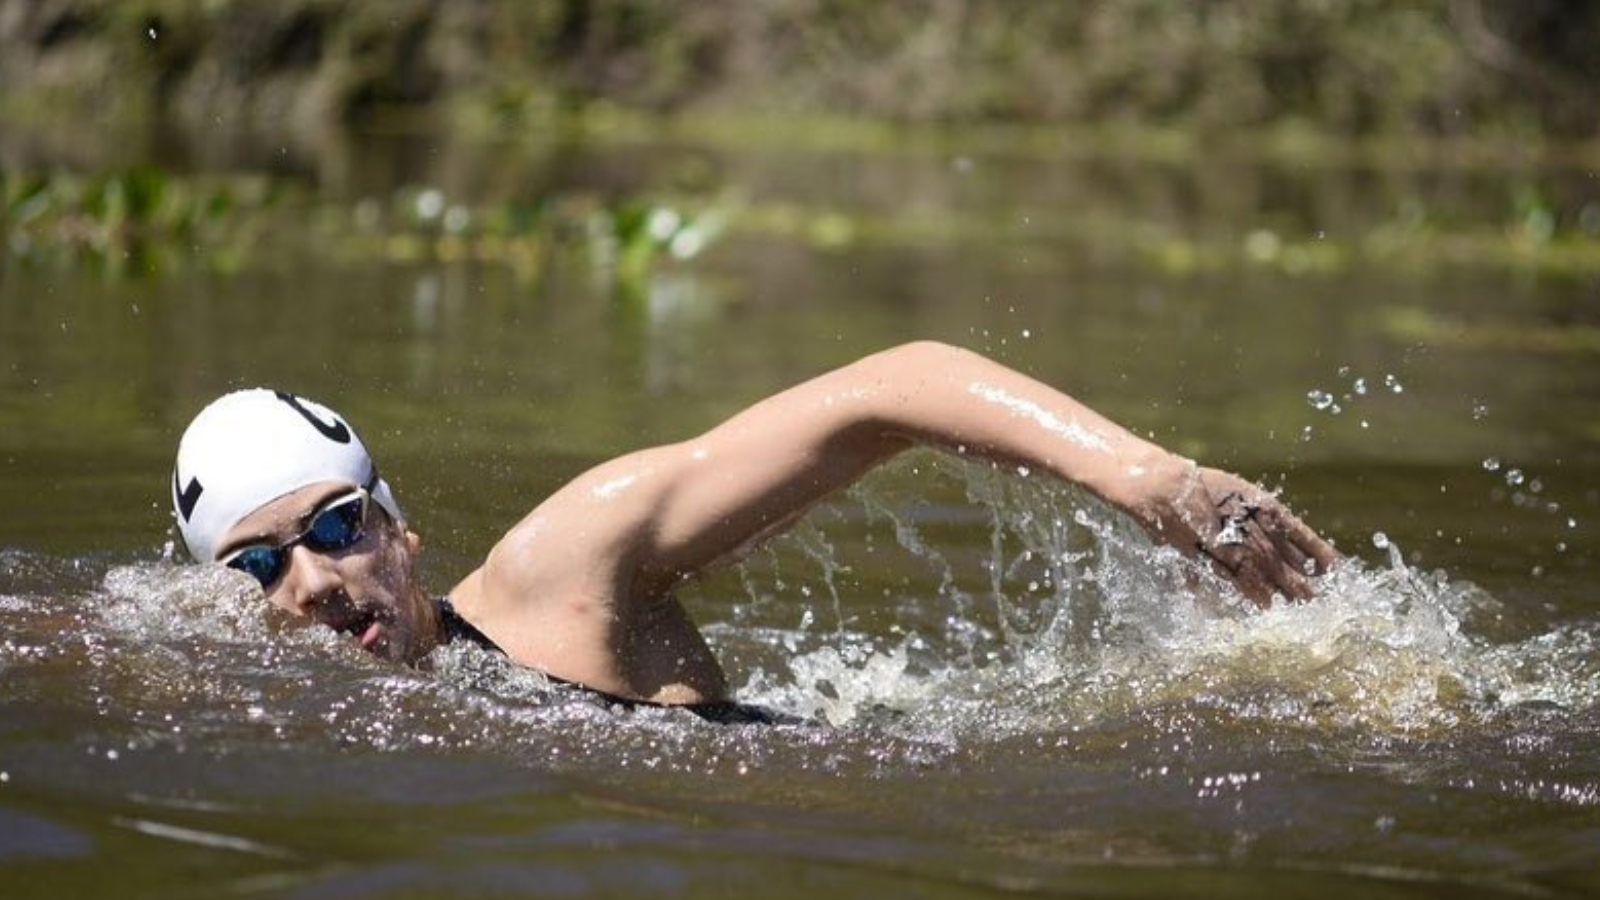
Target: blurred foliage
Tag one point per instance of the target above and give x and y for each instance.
(1526, 238)
(1345, 67)
(143, 221)
(132, 219)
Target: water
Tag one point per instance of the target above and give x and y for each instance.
(1102, 726)
(1011, 692)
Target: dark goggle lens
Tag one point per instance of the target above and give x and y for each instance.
(338, 526)
(264, 564)
(335, 527)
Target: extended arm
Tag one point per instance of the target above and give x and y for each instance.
(756, 472)
(617, 539)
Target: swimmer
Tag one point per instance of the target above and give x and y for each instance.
(582, 588)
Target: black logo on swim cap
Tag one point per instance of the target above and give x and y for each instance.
(338, 432)
(186, 497)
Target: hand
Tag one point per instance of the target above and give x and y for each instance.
(1247, 535)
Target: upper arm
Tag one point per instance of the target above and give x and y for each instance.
(670, 512)
(581, 588)
(646, 520)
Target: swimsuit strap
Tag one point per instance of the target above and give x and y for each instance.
(457, 628)
(726, 712)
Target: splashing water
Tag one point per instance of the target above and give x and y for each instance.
(1070, 616)
(999, 648)
(1082, 617)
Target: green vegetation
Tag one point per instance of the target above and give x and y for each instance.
(143, 221)
(1424, 86)
(133, 219)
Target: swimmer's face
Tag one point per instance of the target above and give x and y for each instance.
(367, 590)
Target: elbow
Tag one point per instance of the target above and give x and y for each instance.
(926, 356)
(910, 386)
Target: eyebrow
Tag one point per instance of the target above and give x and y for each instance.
(300, 526)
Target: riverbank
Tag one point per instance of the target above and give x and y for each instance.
(1345, 69)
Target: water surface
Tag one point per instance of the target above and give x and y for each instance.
(1011, 691)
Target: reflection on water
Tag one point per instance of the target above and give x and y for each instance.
(1011, 690)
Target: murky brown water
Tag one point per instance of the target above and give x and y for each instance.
(1011, 696)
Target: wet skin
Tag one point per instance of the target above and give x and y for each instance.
(368, 590)
(583, 587)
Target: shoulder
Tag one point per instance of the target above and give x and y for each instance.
(588, 545)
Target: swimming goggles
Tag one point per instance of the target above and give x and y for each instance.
(338, 525)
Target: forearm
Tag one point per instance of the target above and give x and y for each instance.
(960, 401)
(755, 473)
(935, 395)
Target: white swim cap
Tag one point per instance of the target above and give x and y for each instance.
(249, 448)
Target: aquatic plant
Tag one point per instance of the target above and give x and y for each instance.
(131, 219)
(143, 220)
(139, 221)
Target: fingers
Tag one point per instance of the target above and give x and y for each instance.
(1262, 575)
(1253, 540)
(1294, 543)
(1312, 544)
(1265, 550)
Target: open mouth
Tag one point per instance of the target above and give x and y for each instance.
(367, 625)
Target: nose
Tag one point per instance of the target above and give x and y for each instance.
(309, 579)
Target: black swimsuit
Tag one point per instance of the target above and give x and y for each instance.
(457, 628)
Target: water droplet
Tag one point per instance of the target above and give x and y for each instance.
(1380, 540)
(1319, 399)
(1571, 522)
(1344, 371)
(1514, 477)
(1360, 385)
(152, 32)
(1479, 411)
(1491, 465)
(1393, 384)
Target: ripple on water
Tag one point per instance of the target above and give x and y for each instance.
(1118, 626)
(1079, 622)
